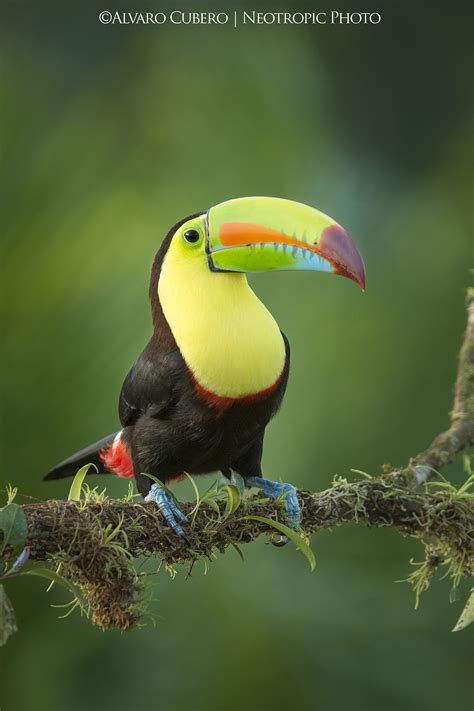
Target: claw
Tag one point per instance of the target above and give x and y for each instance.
(274, 490)
(168, 507)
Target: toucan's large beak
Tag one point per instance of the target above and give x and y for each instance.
(259, 234)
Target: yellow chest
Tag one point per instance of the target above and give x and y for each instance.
(227, 337)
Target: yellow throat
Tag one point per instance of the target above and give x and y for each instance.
(227, 337)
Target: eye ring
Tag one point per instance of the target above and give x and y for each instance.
(192, 236)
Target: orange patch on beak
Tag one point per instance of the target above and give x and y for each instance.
(235, 234)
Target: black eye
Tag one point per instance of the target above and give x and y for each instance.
(192, 236)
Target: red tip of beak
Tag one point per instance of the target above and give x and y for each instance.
(336, 246)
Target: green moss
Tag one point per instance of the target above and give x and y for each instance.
(96, 541)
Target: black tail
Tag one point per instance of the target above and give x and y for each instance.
(89, 455)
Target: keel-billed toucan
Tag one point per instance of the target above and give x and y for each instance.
(200, 396)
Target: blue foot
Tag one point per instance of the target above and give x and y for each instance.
(274, 490)
(168, 507)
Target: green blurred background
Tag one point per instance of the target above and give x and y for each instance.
(110, 134)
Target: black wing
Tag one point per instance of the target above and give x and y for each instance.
(153, 385)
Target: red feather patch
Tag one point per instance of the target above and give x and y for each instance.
(117, 459)
(222, 403)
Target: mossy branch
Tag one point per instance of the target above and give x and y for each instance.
(79, 535)
(96, 540)
(460, 435)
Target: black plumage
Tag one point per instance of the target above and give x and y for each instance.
(171, 429)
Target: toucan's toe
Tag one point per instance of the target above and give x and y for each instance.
(168, 507)
(274, 490)
(293, 508)
(178, 514)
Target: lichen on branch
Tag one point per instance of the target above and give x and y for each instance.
(97, 542)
